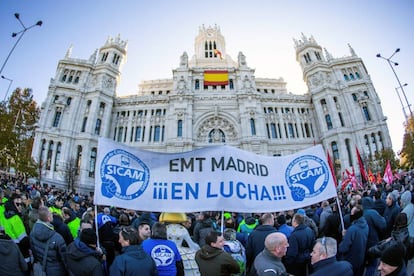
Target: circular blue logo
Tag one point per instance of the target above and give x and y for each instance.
(163, 255)
(306, 176)
(123, 175)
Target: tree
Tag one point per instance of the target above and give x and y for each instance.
(407, 151)
(17, 125)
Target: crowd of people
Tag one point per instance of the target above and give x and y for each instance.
(369, 231)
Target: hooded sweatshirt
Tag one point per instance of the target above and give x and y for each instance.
(214, 261)
(12, 261)
(83, 260)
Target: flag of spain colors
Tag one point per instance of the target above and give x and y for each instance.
(216, 77)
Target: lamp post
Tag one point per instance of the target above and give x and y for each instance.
(20, 33)
(8, 88)
(400, 86)
(402, 104)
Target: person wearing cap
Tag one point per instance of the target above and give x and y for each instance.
(308, 222)
(83, 256)
(133, 260)
(324, 262)
(255, 241)
(392, 261)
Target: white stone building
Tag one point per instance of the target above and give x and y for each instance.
(210, 99)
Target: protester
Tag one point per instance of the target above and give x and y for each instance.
(133, 260)
(83, 256)
(163, 251)
(235, 248)
(326, 212)
(71, 220)
(392, 262)
(255, 241)
(300, 246)
(12, 261)
(44, 238)
(212, 260)
(203, 226)
(391, 211)
(282, 226)
(354, 243)
(324, 260)
(269, 261)
(408, 209)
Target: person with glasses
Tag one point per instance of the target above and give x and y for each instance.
(14, 226)
(133, 260)
(324, 262)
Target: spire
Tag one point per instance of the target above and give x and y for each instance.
(351, 50)
(92, 58)
(69, 51)
(328, 55)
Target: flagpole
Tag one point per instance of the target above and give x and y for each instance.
(222, 221)
(96, 226)
(340, 213)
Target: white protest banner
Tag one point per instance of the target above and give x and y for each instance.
(213, 178)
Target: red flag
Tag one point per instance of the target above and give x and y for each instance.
(379, 178)
(388, 177)
(331, 166)
(371, 176)
(361, 167)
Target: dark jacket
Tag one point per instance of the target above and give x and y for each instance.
(12, 261)
(56, 255)
(62, 229)
(353, 246)
(390, 214)
(215, 262)
(201, 229)
(376, 223)
(332, 267)
(83, 260)
(332, 226)
(255, 242)
(301, 242)
(133, 261)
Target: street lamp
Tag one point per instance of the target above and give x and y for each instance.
(402, 104)
(20, 33)
(8, 88)
(400, 86)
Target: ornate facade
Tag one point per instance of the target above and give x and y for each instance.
(210, 99)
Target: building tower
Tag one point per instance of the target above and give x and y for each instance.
(347, 107)
(77, 110)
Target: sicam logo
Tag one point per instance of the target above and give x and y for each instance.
(123, 175)
(306, 176)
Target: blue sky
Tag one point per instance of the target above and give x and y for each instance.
(158, 32)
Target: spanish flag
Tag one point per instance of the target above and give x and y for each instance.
(216, 77)
(218, 53)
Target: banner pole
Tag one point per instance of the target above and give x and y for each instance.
(96, 226)
(340, 213)
(222, 221)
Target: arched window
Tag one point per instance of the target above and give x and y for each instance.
(98, 126)
(328, 121)
(49, 156)
(92, 163)
(78, 159)
(366, 113)
(252, 126)
(231, 84)
(197, 84)
(57, 155)
(56, 120)
(85, 120)
(180, 128)
(335, 151)
(216, 136)
(157, 132)
(341, 119)
(346, 77)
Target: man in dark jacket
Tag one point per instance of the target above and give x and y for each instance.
(212, 260)
(391, 212)
(255, 241)
(203, 226)
(83, 256)
(301, 242)
(376, 226)
(324, 259)
(41, 234)
(353, 246)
